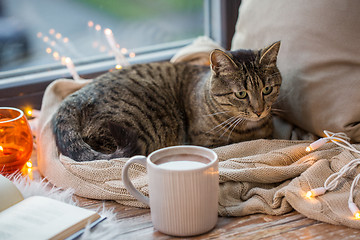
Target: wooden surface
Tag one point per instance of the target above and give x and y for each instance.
(137, 224)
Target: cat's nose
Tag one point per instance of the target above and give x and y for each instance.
(258, 113)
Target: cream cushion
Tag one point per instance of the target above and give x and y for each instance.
(319, 58)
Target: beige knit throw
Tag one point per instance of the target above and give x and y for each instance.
(260, 176)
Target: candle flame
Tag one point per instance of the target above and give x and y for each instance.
(118, 66)
(1, 149)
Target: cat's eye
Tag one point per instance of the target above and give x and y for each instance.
(241, 94)
(267, 90)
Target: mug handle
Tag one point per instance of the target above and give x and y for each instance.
(128, 184)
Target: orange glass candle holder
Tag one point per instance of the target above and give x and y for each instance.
(16, 141)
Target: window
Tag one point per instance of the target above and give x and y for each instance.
(44, 33)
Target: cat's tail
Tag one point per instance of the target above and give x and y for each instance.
(126, 140)
(71, 144)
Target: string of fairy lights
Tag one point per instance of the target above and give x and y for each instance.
(334, 179)
(57, 45)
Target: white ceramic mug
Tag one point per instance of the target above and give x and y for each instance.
(183, 189)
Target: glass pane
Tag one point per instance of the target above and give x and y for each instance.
(38, 32)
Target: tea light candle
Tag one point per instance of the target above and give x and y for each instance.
(16, 139)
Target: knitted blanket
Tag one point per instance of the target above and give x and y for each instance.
(260, 176)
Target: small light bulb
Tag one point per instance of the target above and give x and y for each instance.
(102, 49)
(97, 27)
(63, 60)
(315, 192)
(56, 55)
(124, 50)
(118, 66)
(28, 111)
(29, 164)
(132, 54)
(90, 23)
(108, 31)
(354, 210)
(315, 145)
(309, 195)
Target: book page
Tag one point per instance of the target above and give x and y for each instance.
(43, 218)
(9, 194)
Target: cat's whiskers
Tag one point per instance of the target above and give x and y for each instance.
(228, 126)
(240, 120)
(223, 123)
(217, 113)
(232, 123)
(277, 111)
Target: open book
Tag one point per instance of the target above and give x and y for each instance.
(39, 217)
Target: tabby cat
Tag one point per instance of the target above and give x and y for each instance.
(144, 107)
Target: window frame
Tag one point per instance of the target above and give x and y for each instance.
(25, 87)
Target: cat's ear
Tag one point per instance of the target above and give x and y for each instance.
(221, 61)
(268, 55)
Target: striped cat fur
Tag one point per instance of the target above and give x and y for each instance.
(144, 107)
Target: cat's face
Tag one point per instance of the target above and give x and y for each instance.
(246, 83)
